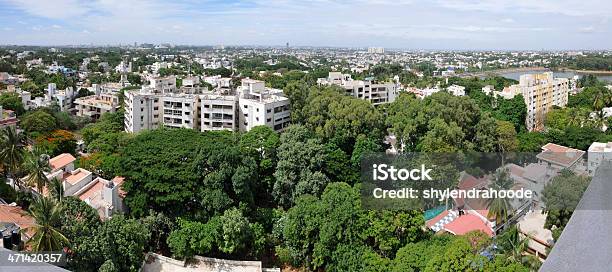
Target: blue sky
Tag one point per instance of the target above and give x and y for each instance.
(412, 24)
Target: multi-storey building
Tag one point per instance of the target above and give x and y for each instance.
(142, 110)
(95, 105)
(180, 110)
(541, 92)
(376, 50)
(196, 108)
(163, 84)
(259, 106)
(218, 111)
(368, 89)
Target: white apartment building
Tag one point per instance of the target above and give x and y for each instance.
(376, 93)
(258, 105)
(194, 108)
(64, 98)
(456, 90)
(541, 92)
(142, 110)
(95, 105)
(218, 112)
(597, 153)
(376, 50)
(180, 110)
(163, 84)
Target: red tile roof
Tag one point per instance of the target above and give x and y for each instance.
(16, 215)
(436, 219)
(467, 223)
(61, 161)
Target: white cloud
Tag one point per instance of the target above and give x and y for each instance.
(587, 29)
(56, 26)
(55, 9)
(315, 22)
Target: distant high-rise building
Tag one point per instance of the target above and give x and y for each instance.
(287, 45)
(541, 92)
(376, 50)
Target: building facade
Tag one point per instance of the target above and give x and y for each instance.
(251, 105)
(368, 89)
(541, 92)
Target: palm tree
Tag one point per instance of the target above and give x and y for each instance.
(46, 214)
(12, 151)
(499, 208)
(516, 248)
(37, 167)
(56, 189)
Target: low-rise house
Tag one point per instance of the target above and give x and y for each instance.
(105, 196)
(456, 90)
(13, 220)
(8, 118)
(468, 215)
(558, 157)
(597, 153)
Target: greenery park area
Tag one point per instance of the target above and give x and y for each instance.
(289, 199)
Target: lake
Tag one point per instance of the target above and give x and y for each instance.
(565, 74)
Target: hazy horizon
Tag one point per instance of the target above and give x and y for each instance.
(413, 25)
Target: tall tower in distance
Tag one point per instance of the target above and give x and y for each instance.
(287, 45)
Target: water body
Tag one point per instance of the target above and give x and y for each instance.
(565, 74)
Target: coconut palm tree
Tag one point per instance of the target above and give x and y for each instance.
(516, 246)
(46, 214)
(56, 189)
(12, 151)
(499, 208)
(37, 166)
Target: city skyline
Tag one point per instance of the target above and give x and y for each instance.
(465, 24)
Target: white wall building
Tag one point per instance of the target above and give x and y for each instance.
(376, 93)
(142, 110)
(180, 110)
(253, 104)
(258, 105)
(456, 90)
(163, 84)
(95, 105)
(597, 153)
(218, 112)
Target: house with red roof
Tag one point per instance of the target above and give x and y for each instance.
(106, 196)
(469, 214)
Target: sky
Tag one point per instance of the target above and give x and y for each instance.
(406, 24)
